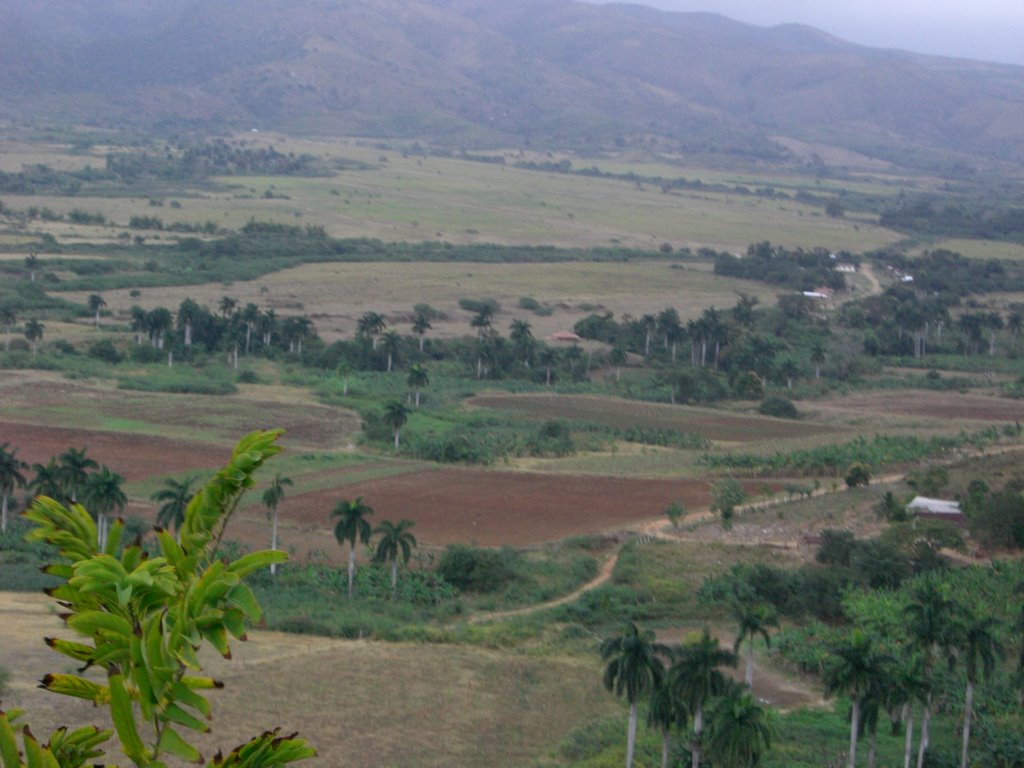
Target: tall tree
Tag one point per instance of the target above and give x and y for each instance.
(227, 306)
(188, 312)
(633, 670)
(249, 316)
(352, 527)
(754, 618)
(417, 380)
(104, 497)
(696, 677)
(739, 730)
(548, 358)
(667, 713)
(855, 667)
(931, 619)
(273, 496)
(521, 336)
(344, 371)
(11, 477)
(174, 499)
(7, 320)
(95, 302)
(34, 331)
(48, 480)
(395, 542)
(159, 321)
(395, 416)
(74, 471)
(138, 322)
(618, 357)
(420, 326)
(390, 342)
(32, 264)
(370, 326)
(979, 648)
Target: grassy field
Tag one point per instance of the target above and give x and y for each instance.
(335, 295)
(429, 198)
(361, 704)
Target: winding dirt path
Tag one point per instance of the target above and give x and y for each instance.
(655, 529)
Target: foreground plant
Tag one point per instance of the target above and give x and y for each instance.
(144, 620)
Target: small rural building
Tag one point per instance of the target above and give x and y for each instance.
(816, 295)
(566, 336)
(848, 268)
(937, 509)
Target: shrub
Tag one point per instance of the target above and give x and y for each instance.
(858, 475)
(106, 351)
(779, 407)
(475, 305)
(475, 569)
(530, 303)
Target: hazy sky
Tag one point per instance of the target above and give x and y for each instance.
(990, 30)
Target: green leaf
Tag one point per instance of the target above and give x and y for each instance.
(95, 622)
(78, 687)
(8, 743)
(254, 561)
(171, 741)
(123, 715)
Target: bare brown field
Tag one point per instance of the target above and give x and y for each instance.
(494, 508)
(47, 400)
(945, 406)
(616, 412)
(362, 704)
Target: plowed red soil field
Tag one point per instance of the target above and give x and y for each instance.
(494, 507)
(134, 457)
(937, 405)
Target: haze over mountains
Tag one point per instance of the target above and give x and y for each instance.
(494, 73)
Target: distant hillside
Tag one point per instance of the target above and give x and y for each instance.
(479, 72)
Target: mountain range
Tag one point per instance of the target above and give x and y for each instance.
(496, 73)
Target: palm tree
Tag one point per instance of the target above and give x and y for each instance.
(417, 379)
(32, 264)
(74, 471)
(618, 357)
(979, 648)
(188, 312)
(696, 678)
(95, 302)
(34, 333)
(7, 320)
(521, 336)
(10, 478)
(420, 326)
(931, 617)
(633, 670)
(395, 416)
(394, 540)
(267, 326)
(817, 357)
(739, 730)
(905, 685)
(138, 322)
(227, 306)
(648, 323)
(249, 316)
(344, 372)
(390, 341)
(48, 480)
(667, 712)
(855, 667)
(174, 499)
(104, 497)
(547, 359)
(482, 319)
(272, 496)
(753, 619)
(295, 331)
(158, 322)
(370, 326)
(352, 526)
